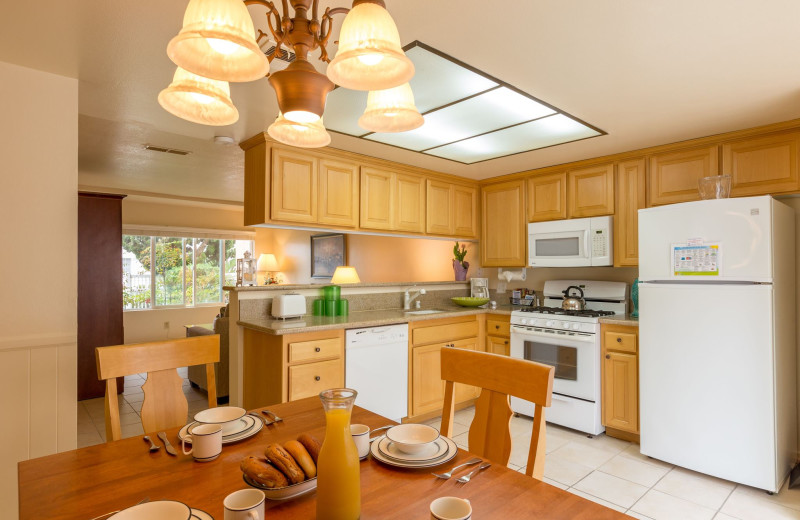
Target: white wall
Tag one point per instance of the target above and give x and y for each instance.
(38, 269)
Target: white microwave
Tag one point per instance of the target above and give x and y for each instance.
(575, 242)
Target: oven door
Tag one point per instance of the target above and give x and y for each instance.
(575, 358)
(559, 244)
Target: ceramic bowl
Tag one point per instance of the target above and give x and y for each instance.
(158, 510)
(412, 438)
(470, 301)
(225, 416)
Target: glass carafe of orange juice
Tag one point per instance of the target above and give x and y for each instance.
(338, 470)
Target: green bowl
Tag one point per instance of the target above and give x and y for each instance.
(470, 301)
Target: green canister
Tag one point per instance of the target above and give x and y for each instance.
(318, 307)
(342, 308)
(330, 307)
(331, 292)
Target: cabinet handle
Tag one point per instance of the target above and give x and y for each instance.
(619, 340)
(505, 342)
(316, 378)
(608, 356)
(497, 327)
(317, 349)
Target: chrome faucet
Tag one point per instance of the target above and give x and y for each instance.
(407, 298)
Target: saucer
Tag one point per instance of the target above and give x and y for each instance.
(452, 451)
(199, 514)
(249, 426)
(428, 453)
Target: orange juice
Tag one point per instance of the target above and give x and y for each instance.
(338, 470)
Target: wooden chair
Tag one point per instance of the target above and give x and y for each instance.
(165, 405)
(499, 377)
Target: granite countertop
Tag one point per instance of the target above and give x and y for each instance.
(294, 287)
(621, 319)
(355, 320)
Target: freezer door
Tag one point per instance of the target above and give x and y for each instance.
(741, 227)
(706, 380)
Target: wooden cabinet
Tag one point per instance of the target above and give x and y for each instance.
(620, 381)
(294, 186)
(284, 368)
(451, 209)
(338, 193)
(590, 191)
(673, 175)
(631, 197)
(503, 230)
(410, 203)
(762, 165)
(377, 199)
(498, 337)
(547, 197)
(426, 395)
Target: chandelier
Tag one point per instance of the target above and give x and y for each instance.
(217, 44)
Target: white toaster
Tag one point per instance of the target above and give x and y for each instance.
(288, 306)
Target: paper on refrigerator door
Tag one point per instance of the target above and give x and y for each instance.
(696, 259)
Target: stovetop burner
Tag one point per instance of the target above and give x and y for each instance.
(562, 312)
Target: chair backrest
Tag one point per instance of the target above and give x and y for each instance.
(165, 405)
(499, 377)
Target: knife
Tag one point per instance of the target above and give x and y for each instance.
(167, 445)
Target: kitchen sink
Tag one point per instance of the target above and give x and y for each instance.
(425, 311)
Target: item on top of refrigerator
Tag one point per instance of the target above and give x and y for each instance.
(714, 187)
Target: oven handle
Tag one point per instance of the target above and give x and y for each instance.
(583, 338)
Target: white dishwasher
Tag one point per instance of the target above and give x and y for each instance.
(376, 366)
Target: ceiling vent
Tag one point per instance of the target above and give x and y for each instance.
(166, 150)
(269, 47)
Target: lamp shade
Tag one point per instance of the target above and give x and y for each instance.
(345, 274)
(301, 91)
(267, 262)
(391, 110)
(218, 41)
(303, 135)
(369, 56)
(198, 99)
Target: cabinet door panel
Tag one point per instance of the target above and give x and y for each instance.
(466, 392)
(427, 390)
(498, 345)
(338, 193)
(410, 205)
(503, 228)
(465, 211)
(312, 378)
(440, 214)
(631, 197)
(294, 187)
(762, 165)
(547, 197)
(590, 191)
(377, 199)
(620, 392)
(673, 176)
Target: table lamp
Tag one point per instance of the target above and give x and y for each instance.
(267, 263)
(335, 306)
(345, 274)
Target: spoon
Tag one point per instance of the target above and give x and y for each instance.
(450, 473)
(468, 476)
(153, 445)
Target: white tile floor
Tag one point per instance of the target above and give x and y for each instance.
(613, 473)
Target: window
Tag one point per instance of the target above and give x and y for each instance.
(163, 271)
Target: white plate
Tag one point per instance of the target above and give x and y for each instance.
(199, 514)
(225, 416)
(285, 493)
(156, 510)
(452, 451)
(437, 449)
(251, 426)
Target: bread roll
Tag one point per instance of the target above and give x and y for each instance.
(311, 445)
(302, 458)
(281, 459)
(262, 472)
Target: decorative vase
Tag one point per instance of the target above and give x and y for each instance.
(460, 270)
(338, 468)
(635, 298)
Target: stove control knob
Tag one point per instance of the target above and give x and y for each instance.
(548, 323)
(566, 324)
(525, 321)
(576, 326)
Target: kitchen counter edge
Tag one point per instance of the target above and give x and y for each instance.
(621, 319)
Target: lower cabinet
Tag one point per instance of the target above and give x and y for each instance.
(498, 338)
(620, 376)
(290, 366)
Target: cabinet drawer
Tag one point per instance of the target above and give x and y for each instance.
(498, 327)
(620, 341)
(310, 379)
(445, 333)
(313, 350)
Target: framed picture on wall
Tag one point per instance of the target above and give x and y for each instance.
(327, 253)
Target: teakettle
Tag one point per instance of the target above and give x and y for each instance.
(571, 302)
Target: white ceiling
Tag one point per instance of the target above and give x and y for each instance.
(646, 72)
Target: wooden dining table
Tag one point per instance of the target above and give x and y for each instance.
(87, 482)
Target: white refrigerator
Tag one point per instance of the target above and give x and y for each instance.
(717, 351)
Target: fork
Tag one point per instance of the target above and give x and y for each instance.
(265, 420)
(450, 473)
(275, 418)
(153, 445)
(469, 475)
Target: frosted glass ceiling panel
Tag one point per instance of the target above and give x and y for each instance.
(483, 113)
(549, 131)
(342, 110)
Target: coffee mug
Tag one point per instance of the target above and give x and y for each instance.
(360, 433)
(451, 508)
(206, 442)
(245, 504)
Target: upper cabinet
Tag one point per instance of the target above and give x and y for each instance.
(294, 186)
(338, 193)
(503, 228)
(590, 191)
(377, 199)
(410, 203)
(547, 197)
(673, 175)
(631, 197)
(451, 209)
(762, 165)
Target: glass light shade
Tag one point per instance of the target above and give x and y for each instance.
(369, 56)
(391, 110)
(303, 135)
(345, 274)
(267, 262)
(198, 99)
(218, 41)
